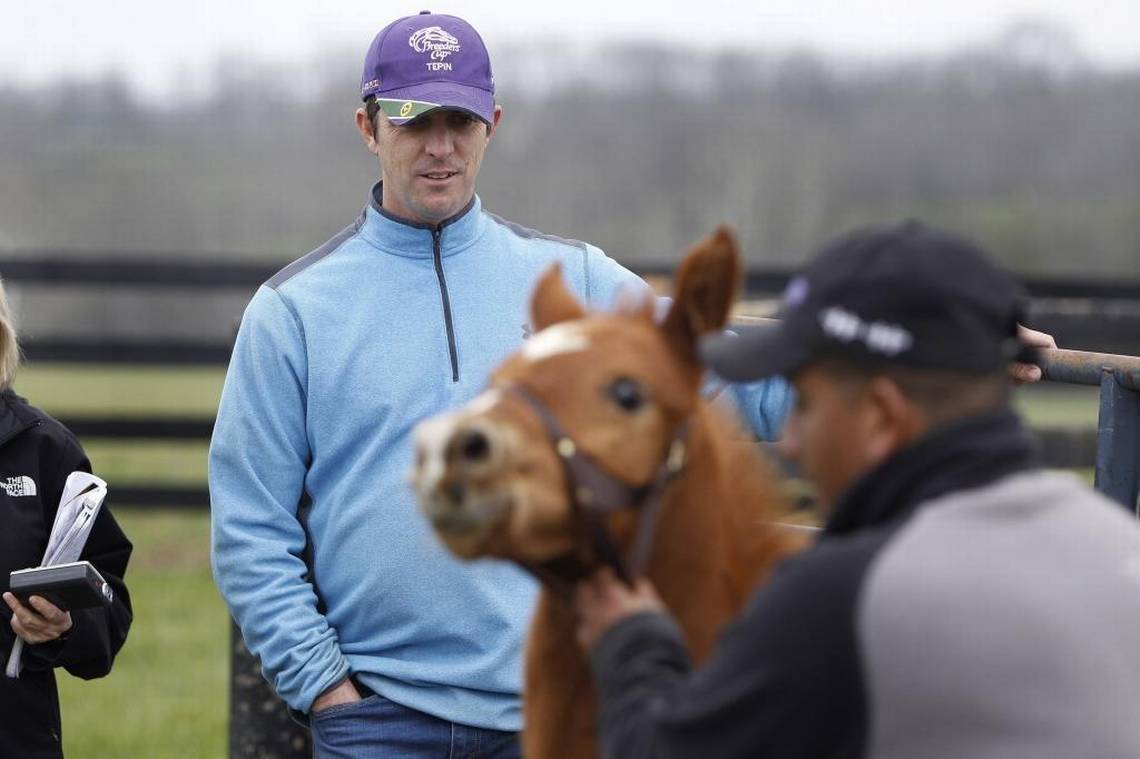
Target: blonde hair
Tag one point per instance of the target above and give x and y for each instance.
(9, 344)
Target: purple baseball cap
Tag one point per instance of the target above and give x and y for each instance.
(427, 61)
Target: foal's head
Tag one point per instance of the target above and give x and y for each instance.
(616, 389)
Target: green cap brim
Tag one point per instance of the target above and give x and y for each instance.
(401, 111)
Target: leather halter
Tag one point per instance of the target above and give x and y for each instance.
(593, 494)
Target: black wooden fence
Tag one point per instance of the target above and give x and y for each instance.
(1073, 310)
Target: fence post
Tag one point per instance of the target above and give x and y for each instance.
(260, 725)
(1118, 441)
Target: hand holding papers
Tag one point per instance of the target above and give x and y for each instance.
(83, 495)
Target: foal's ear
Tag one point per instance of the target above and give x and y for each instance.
(551, 302)
(706, 287)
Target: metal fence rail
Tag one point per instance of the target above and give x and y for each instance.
(1118, 423)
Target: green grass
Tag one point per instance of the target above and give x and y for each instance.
(159, 461)
(1057, 405)
(167, 693)
(91, 389)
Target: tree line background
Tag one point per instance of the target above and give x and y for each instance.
(1020, 142)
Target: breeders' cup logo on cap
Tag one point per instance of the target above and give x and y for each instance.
(439, 43)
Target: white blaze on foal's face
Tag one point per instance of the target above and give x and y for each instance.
(483, 402)
(431, 438)
(555, 340)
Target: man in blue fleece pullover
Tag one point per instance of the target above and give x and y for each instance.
(359, 617)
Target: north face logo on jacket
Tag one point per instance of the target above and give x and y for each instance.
(19, 486)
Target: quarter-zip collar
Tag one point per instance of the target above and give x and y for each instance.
(410, 239)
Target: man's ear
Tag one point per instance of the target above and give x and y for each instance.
(551, 302)
(495, 119)
(367, 131)
(893, 421)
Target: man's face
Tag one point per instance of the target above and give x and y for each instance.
(429, 165)
(833, 433)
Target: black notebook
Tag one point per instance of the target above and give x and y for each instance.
(76, 585)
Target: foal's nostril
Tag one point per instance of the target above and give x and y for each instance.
(456, 492)
(473, 446)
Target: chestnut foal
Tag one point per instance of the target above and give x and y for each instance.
(594, 446)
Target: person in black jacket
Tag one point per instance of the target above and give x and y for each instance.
(37, 453)
(960, 600)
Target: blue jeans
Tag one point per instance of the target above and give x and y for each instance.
(376, 728)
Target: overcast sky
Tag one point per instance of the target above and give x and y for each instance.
(155, 43)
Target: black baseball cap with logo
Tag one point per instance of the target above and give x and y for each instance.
(908, 295)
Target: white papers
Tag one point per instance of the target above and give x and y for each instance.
(83, 495)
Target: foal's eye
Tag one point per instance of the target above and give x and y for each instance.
(627, 393)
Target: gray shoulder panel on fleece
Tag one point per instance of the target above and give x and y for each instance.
(1001, 623)
(527, 233)
(311, 258)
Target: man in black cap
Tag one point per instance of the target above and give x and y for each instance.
(960, 601)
